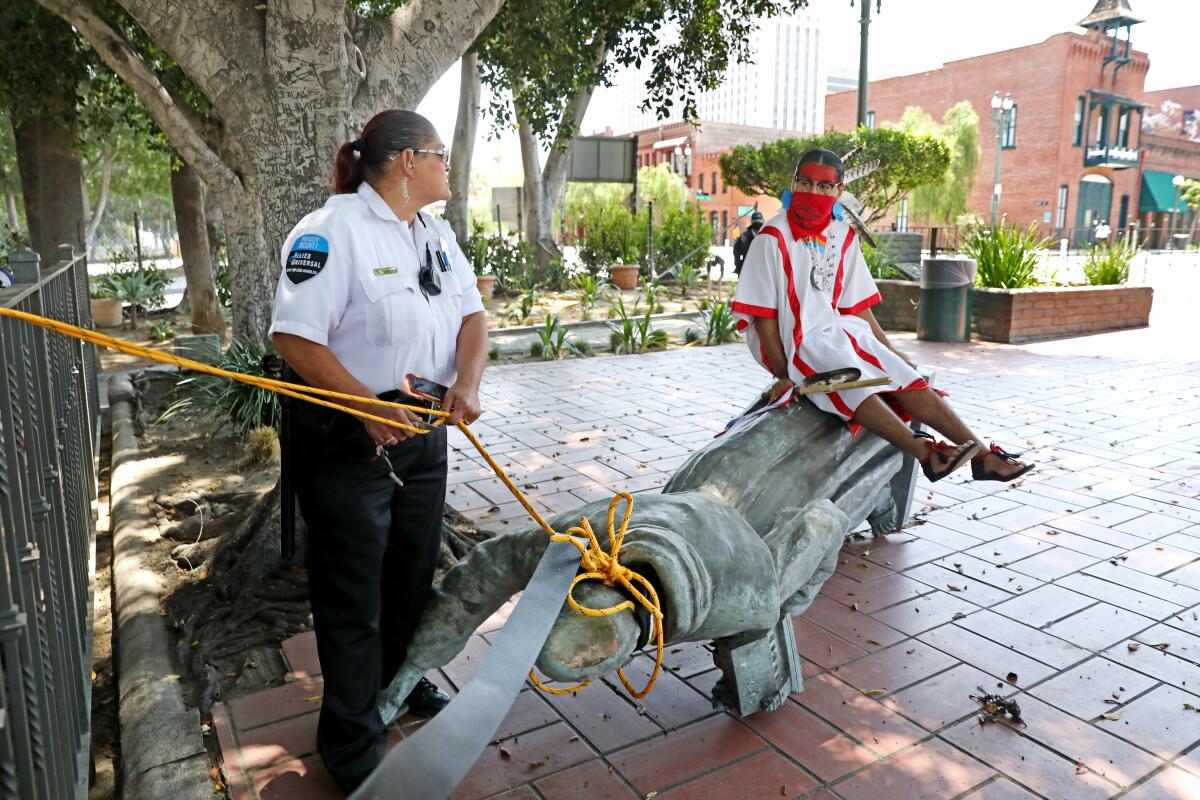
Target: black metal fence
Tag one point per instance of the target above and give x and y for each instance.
(951, 238)
(48, 442)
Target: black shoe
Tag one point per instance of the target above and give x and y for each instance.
(426, 699)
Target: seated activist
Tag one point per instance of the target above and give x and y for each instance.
(804, 302)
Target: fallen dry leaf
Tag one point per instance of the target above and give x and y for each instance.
(1133, 646)
(1080, 769)
(872, 641)
(1161, 645)
(861, 565)
(1111, 717)
(316, 698)
(872, 692)
(1190, 707)
(504, 752)
(214, 773)
(1011, 677)
(953, 588)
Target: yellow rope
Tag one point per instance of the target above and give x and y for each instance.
(597, 564)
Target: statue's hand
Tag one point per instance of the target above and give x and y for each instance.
(778, 388)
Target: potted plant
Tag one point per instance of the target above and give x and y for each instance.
(479, 252)
(106, 302)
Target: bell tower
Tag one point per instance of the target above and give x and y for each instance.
(1109, 17)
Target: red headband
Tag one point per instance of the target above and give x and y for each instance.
(818, 172)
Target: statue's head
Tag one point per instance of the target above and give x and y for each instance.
(582, 648)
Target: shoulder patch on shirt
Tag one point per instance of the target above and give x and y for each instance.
(307, 257)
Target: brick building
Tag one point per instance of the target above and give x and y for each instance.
(1075, 151)
(727, 209)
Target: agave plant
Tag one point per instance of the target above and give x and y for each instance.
(227, 402)
(590, 288)
(1108, 264)
(1007, 257)
(720, 326)
(554, 341)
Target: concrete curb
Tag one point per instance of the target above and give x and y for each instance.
(162, 749)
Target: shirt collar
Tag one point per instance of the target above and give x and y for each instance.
(381, 209)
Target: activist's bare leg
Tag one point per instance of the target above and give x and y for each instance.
(879, 419)
(929, 407)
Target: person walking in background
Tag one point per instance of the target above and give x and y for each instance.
(741, 245)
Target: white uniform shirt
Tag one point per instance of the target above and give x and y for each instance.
(816, 314)
(350, 282)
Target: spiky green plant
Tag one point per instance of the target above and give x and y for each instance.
(1007, 256)
(1108, 264)
(227, 402)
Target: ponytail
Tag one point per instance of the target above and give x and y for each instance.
(346, 173)
(386, 134)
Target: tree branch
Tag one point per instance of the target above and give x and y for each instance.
(170, 116)
(555, 171)
(408, 51)
(209, 40)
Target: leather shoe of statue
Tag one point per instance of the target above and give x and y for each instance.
(426, 699)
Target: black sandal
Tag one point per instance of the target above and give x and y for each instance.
(950, 456)
(981, 473)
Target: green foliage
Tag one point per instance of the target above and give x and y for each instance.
(609, 238)
(633, 334)
(161, 330)
(526, 303)
(11, 240)
(590, 288)
(907, 161)
(881, 263)
(1007, 256)
(141, 289)
(651, 293)
(555, 341)
(227, 402)
(688, 277)
(494, 354)
(542, 53)
(512, 262)
(940, 201)
(1189, 193)
(681, 239)
(720, 326)
(1108, 264)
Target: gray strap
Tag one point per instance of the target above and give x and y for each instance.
(429, 764)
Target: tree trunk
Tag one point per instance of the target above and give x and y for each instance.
(465, 128)
(193, 247)
(12, 218)
(94, 217)
(51, 170)
(544, 185)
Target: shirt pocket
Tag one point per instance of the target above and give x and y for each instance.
(396, 310)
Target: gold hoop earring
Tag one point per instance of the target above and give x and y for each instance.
(404, 188)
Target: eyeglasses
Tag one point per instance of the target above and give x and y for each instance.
(806, 185)
(428, 279)
(442, 152)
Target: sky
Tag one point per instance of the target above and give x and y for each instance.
(910, 36)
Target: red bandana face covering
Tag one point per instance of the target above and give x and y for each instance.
(810, 212)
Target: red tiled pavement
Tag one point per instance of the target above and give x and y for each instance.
(1052, 579)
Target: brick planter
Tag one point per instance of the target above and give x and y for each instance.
(1022, 315)
(898, 311)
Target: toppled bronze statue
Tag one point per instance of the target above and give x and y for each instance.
(740, 539)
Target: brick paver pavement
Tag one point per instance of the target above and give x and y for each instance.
(1083, 580)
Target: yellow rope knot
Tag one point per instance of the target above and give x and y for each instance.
(607, 568)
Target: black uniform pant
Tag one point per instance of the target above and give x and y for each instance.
(372, 550)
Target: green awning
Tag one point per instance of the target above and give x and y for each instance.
(1158, 193)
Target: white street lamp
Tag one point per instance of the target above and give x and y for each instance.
(1002, 110)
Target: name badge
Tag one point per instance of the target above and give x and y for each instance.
(386, 270)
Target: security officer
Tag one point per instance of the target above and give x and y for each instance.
(372, 290)
(741, 245)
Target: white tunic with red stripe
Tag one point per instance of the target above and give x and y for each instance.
(819, 328)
